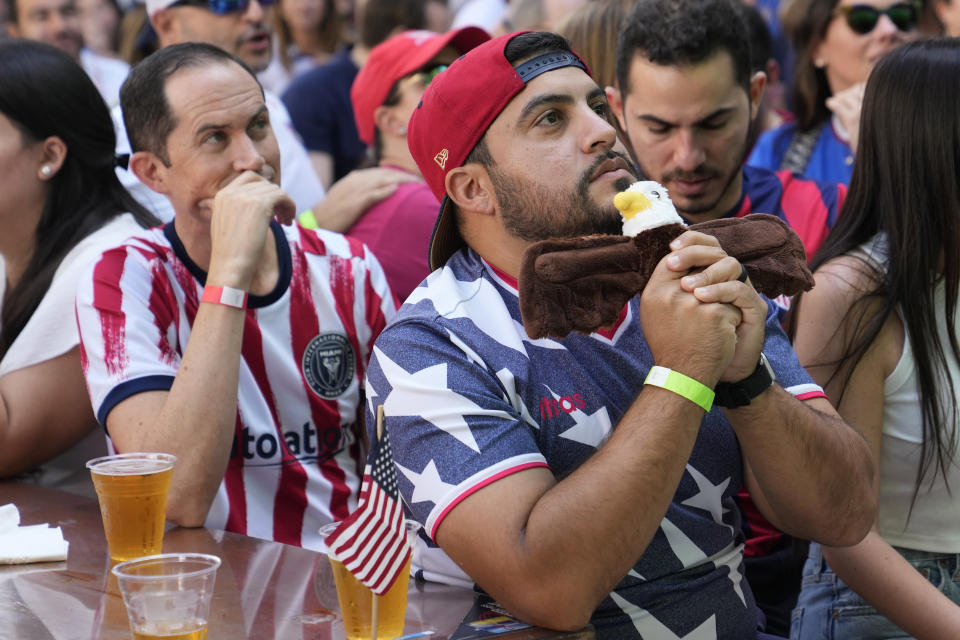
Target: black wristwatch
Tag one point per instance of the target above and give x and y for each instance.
(731, 395)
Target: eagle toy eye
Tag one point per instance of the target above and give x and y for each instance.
(655, 194)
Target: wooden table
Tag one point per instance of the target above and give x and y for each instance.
(264, 589)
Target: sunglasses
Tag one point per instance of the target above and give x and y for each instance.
(221, 7)
(426, 77)
(862, 18)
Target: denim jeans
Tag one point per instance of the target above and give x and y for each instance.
(830, 610)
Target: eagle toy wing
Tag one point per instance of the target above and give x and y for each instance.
(581, 284)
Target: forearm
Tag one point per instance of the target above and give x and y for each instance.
(882, 577)
(581, 536)
(39, 420)
(815, 472)
(196, 421)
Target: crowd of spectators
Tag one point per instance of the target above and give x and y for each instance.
(233, 229)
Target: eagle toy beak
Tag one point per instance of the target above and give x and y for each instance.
(630, 203)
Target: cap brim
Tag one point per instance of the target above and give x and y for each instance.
(445, 239)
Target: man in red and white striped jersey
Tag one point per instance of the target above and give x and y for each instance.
(233, 342)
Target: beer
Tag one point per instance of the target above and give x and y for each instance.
(172, 631)
(132, 489)
(356, 600)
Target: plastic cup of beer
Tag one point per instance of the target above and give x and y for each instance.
(168, 595)
(132, 489)
(356, 599)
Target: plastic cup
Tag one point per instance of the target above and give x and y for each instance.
(132, 489)
(356, 599)
(168, 595)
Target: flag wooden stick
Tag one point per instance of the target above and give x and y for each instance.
(375, 599)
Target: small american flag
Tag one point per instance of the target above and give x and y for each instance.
(372, 541)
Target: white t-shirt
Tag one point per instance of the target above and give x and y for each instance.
(50, 332)
(297, 177)
(107, 74)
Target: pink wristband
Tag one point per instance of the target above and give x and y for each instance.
(227, 296)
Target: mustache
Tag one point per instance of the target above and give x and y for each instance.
(610, 154)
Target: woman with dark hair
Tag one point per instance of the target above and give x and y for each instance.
(62, 205)
(837, 42)
(308, 33)
(880, 333)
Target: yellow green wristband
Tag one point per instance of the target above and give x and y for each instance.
(671, 380)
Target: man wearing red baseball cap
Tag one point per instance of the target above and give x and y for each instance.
(590, 478)
(384, 94)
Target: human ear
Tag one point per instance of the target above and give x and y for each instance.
(471, 190)
(53, 155)
(758, 85)
(165, 24)
(387, 121)
(616, 104)
(151, 171)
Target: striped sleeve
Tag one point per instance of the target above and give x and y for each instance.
(128, 318)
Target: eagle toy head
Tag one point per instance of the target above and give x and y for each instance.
(645, 205)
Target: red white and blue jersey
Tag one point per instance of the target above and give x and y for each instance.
(470, 399)
(296, 458)
(809, 207)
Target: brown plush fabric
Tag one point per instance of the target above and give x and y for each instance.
(581, 284)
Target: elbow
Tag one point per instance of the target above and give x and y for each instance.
(853, 522)
(856, 526)
(550, 607)
(186, 513)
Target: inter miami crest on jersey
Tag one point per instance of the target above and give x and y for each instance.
(329, 364)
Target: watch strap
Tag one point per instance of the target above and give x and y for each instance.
(685, 386)
(226, 296)
(731, 395)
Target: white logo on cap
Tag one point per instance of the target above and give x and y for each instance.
(441, 158)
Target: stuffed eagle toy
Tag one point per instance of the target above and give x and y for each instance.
(581, 284)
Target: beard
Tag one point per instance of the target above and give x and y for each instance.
(699, 206)
(535, 212)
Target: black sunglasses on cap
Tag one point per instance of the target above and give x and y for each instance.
(863, 18)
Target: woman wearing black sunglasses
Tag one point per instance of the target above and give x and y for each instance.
(880, 332)
(837, 42)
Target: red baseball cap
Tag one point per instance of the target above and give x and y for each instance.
(396, 58)
(454, 113)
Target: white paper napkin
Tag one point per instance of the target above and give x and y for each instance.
(33, 543)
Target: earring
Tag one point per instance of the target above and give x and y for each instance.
(403, 131)
(46, 171)
(819, 63)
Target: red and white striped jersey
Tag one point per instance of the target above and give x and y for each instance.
(296, 458)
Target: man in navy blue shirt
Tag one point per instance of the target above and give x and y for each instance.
(687, 100)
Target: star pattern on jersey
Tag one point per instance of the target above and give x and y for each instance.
(482, 294)
(427, 485)
(688, 553)
(730, 558)
(505, 376)
(414, 394)
(710, 497)
(650, 628)
(590, 429)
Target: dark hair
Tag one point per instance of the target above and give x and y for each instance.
(85, 193)
(380, 18)
(330, 29)
(904, 185)
(805, 22)
(143, 97)
(761, 43)
(677, 32)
